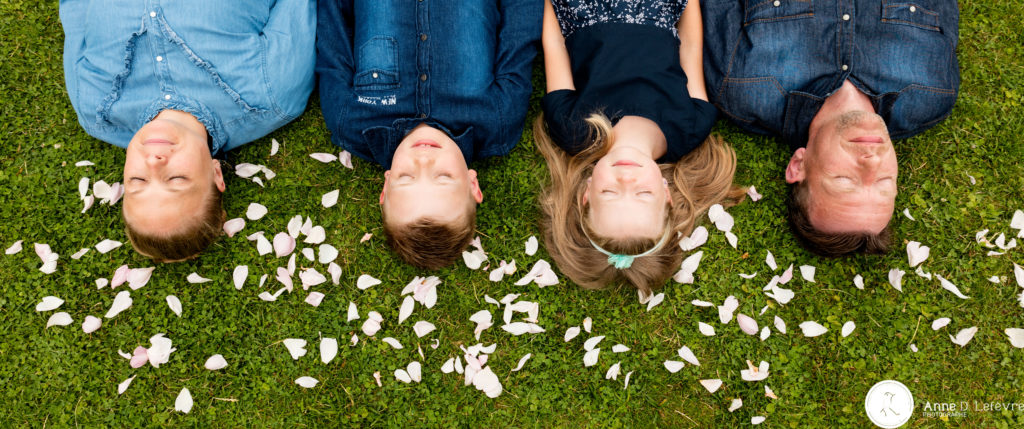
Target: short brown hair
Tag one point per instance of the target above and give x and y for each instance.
(185, 244)
(830, 244)
(428, 244)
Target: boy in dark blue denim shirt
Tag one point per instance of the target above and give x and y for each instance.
(837, 80)
(423, 88)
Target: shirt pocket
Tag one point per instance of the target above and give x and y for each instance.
(912, 14)
(377, 65)
(752, 100)
(757, 11)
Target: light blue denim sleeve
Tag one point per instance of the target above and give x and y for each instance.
(290, 35)
(73, 17)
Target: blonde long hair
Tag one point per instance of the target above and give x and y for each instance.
(699, 180)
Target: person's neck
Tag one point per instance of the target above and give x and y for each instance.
(640, 134)
(183, 119)
(847, 98)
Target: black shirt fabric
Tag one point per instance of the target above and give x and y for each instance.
(622, 69)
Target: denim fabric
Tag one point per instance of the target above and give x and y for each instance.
(243, 68)
(463, 66)
(769, 65)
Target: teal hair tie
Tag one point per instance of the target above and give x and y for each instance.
(620, 261)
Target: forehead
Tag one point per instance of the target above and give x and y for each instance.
(158, 211)
(444, 202)
(627, 218)
(865, 210)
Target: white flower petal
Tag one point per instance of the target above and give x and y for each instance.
(353, 312)
(324, 157)
(687, 355)
(697, 238)
(1016, 336)
(284, 244)
(107, 245)
(917, 253)
(770, 260)
(940, 323)
(590, 358)
(613, 372)
(571, 333)
(370, 327)
(408, 304)
(747, 324)
(314, 298)
(345, 158)
(195, 278)
(239, 275)
(330, 199)
(858, 281)
(812, 329)
(15, 248)
(307, 382)
(486, 381)
(328, 349)
(754, 196)
(327, 253)
(655, 300)
(59, 319)
(620, 348)
(473, 259)
(587, 322)
(522, 361)
(735, 404)
(91, 324)
(423, 328)
(780, 324)
(531, 245)
(688, 267)
(951, 287)
(592, 342)
(403, 376)
(807, 272)
(755, 373)
(255, 211)
(122, 301)
(296, 347)
(705, 329)
(765, 333)
(896, 278)
(160, 350)
(49, 303)
(727, 308)
(628, 375)
(183, 402)
(415, 370)
(174, 303)
(756, 420)
(392, 342)
(848, 328)
(964, 336)
(123, 386)
(711, 385)
(335, 271)
(449, 366)
(215, 362)
(366, 281)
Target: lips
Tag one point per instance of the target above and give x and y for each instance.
(426, 143)
(868, 139)
(157, 142)
(625, 163)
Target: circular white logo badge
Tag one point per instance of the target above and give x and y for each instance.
(889, 404)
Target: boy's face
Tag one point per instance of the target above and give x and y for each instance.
(428, 178)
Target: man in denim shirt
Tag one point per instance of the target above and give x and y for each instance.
(422, 88)
(175, 85)
(837, 80)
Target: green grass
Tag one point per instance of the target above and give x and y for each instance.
(62, 377)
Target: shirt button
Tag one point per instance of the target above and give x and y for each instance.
(375, 75)
(167, 96)
(152, 14)
(846, 17)
(159, 58)
(423, 115)
(845, 67)
(423, 37)
(777, 3)
(913, 9)
(423, 77)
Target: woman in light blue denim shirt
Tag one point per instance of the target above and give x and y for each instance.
(177, 85)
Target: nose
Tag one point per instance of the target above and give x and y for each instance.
(869, 160)
(156, 160)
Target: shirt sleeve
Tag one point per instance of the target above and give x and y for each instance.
(290, 33)
(74, 19)
(703, 118)
(565, 125)
(517, 40)
(335, 62)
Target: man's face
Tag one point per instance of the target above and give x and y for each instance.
(850, 169)
(428, 179)
(627, 196)
(167, 175)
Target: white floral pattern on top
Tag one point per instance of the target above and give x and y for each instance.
(574, 15)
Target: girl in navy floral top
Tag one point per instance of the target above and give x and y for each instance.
(625, 134)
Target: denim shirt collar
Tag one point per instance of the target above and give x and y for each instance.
(802, 107)
(384, 140)
(205, 116)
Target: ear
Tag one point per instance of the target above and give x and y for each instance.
(795, 170)
(218, 176)
(474, 187)
(384, 190)
(668, 191)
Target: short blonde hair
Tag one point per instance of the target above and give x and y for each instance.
(187, 243)
(699, 180)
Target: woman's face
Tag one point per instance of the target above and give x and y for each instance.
(627, 196)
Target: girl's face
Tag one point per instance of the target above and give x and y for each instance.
(627, 195)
